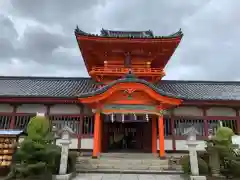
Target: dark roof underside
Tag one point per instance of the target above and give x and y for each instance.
(73, 87)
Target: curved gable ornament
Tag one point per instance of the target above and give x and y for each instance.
(129, 88)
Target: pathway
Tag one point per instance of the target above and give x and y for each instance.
(127, 177)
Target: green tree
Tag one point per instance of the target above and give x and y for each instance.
(37, 153)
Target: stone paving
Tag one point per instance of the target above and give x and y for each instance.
(89, 176)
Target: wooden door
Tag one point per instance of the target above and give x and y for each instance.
(105, 137)
(147, 137)
(139, 134)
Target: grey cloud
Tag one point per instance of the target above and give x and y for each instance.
(40, 42)
(161, 16)
(7, 29)
(6, 49)
(208, 51)
(39, 45)
(66, 13)
(211, 42)
(8, 38)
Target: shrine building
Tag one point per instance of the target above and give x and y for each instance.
(124, 106)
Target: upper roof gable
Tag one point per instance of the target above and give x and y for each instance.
(128, 34)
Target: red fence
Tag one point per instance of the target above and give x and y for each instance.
(83, 125)
(80, 124)
(176, 126)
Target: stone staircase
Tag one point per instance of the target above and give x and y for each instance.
(125, 163)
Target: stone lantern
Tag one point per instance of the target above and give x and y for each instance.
(192, 148)
(65, 141)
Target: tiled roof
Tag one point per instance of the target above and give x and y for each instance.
(128, 34)
(45, 86)
(202, 90)
(73, 87)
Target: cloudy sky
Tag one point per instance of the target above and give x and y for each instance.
(37, 39)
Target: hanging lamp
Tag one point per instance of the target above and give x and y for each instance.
(112, 117)
(135, 117)
(147, 117)
(123, 118)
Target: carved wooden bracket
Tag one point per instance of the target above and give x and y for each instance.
(129, 91)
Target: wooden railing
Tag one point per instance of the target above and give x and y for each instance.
(114, 70)
(83, 125)
(176, 126)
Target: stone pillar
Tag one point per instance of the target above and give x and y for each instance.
(65, 141)
(161, 137)
(214, 161)
(192, 148)
(193, 157)
(96, 144)
(154, 135)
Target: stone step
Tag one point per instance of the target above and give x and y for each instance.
(129, 171)
(125, 163)
(117, 161)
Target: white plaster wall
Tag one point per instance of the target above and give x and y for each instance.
(73, 145)
(87, 110)
(31, 108)
(167, 144)
(188, 111)
(236, 140)
(6, 108)
(65, 109)
(220, 111)
(86, 143)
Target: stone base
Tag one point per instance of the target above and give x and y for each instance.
(198, 178)
(62, 177)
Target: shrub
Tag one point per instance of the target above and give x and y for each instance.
(36, 155)
(202, 165)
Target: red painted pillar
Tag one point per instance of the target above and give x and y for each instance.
(81, 118)
(96, 148)
(154, 135)
(12, 121)
(205, 122)
(161, 137)
(173, 133)
(238, 122)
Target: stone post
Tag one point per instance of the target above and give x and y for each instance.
(193, 157)
(192, 148)
(214, 161)
(65, 141)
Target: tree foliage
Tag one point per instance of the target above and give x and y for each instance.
(37, 154)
